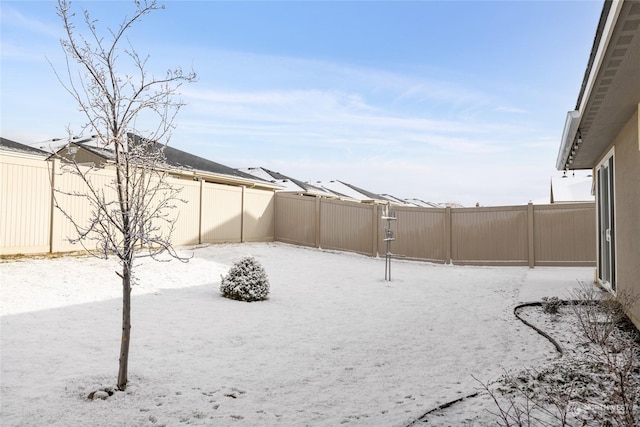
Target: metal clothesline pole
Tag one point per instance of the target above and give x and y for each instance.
(388, 215)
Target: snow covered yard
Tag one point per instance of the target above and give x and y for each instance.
(334, 344)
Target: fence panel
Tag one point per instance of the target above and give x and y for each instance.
(420, 234)
(25, 205)
(221, 224)
(186, 229)
(258, 215)
(30, 223)
(70, 194)
(565, 234)
(296, 219)
(347, 226)
(490, 236)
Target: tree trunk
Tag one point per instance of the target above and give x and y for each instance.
(126, 327)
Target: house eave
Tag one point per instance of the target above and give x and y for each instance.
(23, 154)
(222, 179)
(569, 139)
(196, 175)
(610, 90)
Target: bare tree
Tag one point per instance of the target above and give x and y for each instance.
(115, 92)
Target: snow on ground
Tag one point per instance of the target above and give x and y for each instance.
(335, 344)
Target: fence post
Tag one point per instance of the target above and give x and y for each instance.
(242, 215)
(447, 236)
(374, 229)
(275, 214)
(200, 213)
(530, 236)
(53, 225)
(317, 220)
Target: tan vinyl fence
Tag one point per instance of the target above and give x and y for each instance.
(30, 224)
(25, 205)
(510, 235)
(215, 213)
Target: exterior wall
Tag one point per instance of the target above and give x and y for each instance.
(25, 204)
(627, 212)
(82, 156)
(511, 235)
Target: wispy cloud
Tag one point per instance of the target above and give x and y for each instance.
(509, 109)
(10, 17)
(25, 38)
(316, 117)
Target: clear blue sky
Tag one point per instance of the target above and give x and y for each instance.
(443, 101)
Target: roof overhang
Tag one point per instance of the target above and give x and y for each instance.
(610, 91)
(189, 174)
(107, 157)
(23, 154)
(217, 178)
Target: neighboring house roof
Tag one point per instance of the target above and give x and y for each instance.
(422, 203)
(9, 145)
(610, 90)
(417, 202)
(289, 184)
(571, 189)
(451, 205)
(349, 191)
(190, 162)
(54, 145)
(411, 202)
(174, 158)
(187, 161)
(396, 200)
(332, 189)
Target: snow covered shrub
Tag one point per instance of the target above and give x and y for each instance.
(246, 281)
(551, 305)
(599, 313)
(596, 383)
